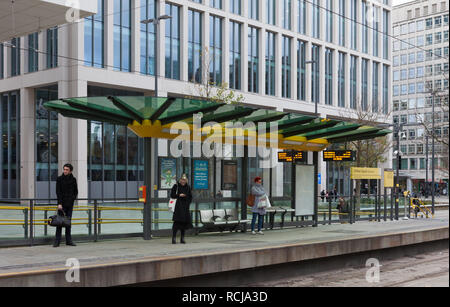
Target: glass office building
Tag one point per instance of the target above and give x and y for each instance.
(283, 55)
(420, 78)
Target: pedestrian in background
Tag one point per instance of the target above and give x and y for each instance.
(182, 219)
(67, 192)
(258, 212)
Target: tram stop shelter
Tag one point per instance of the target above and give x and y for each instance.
(198, 121)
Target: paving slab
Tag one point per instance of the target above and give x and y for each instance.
(158, 259)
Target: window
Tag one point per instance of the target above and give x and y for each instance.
(364, 84)
(365, 30)
(253, 9)
(353, 79)
(93, 38)
(32, 52)
(353, 25)
(216, 4)
(270, 11)
(315, 13)
(148, 11)
(52, 47)
(301, 68)
(286, 13)
(122, 35)
(375, 31)
(253, 59)
(385, 89)
(341, 80)
(301, 19)
(375, 74)
(15, 57)
(315, 73)
(328, 76)
(195, 47)
(286, 68)
(215, 43)
(329, 21)
(235, 55)
(172, 59)
(235, 7)
(342, 22)
(270, 63)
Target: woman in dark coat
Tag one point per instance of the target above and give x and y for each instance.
(67, 192)
(182, 219)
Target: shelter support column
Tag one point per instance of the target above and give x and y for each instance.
(316, 187)
(148, 184)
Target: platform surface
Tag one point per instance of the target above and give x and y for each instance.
(129, 261)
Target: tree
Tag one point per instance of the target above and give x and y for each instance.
(437, 94)
(211, 90)
(369, 153)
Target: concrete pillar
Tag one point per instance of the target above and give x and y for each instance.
(244, 55)
(72, 133)
(184, 28)
(262, 61)
(109, 35)
(135, 35)
(27, 152)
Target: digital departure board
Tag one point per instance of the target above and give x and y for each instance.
(339, 155)
(292, 156)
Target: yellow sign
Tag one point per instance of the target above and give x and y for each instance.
(388, 179)
(365, 173)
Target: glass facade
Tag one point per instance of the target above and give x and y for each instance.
(353, 80)
(195, 47)
(315, 74)
(253, 59)
(342, 22)
(341, 79)
(270, 63)
(147, 52)
(33, 46)
(122, 35)
(364, 84)
(94, 37)
(315, 15)
(115, 155)
(15, 57)
(235, 55)
(173, 42)
(301, 70)
(328, 76)
(52, 47)
(10, 153)
(215, 43)
(301, 16)
(46, 125)
(375, 96)
(286, 64)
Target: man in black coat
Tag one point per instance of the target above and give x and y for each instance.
(182, 219)
(67, 192)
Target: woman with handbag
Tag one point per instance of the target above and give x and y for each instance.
(182, 219)
(259, 207)
(67, 192)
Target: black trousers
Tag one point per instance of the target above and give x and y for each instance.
(68, 212)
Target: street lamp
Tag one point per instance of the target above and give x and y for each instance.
(398, 130)
(148, 141)
(155, 22)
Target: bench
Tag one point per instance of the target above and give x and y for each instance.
(274, 210)
(222, 220)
